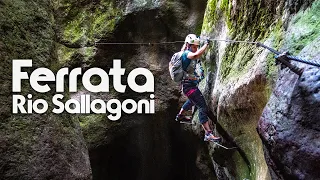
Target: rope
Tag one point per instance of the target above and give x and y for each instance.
(225, 40)
(303, 61)
(172, 42)
(224, 146)
(138, 43)
(290, 57)
(234, 41)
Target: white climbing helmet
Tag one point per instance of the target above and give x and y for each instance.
(192, 39)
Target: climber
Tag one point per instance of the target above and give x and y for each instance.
(190, 81)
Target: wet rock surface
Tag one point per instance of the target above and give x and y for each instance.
(289, 126)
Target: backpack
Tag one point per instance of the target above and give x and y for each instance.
(175, 67)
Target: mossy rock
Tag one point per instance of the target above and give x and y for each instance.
(35, 146)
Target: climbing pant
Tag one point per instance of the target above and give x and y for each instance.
(196, 98)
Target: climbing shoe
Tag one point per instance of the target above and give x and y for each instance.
(183, 119)
(211, 137)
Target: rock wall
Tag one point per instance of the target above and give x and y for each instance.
(289, 125)
(148, 146)
(34, 146)
(67, 33)
(241, 76)
(241, 80)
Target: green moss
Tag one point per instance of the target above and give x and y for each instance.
(248, 160)
(26, 31)
(64, 53)
(246, 164)
(225, 6)
(73, 56)
(198, 27)
(244, 25)
(95, 128)
(74, 31)
(90, 22)
(226, 65)
(80, 26)
(271, 69)
(237, 60)
(104, 21)
(209, 65)
(277, 36)
(304, 28)
(210, 17)
(89, 52)
(241, 169)
(251, 21)
(254, 21)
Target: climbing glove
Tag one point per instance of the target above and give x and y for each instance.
(208, 41)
